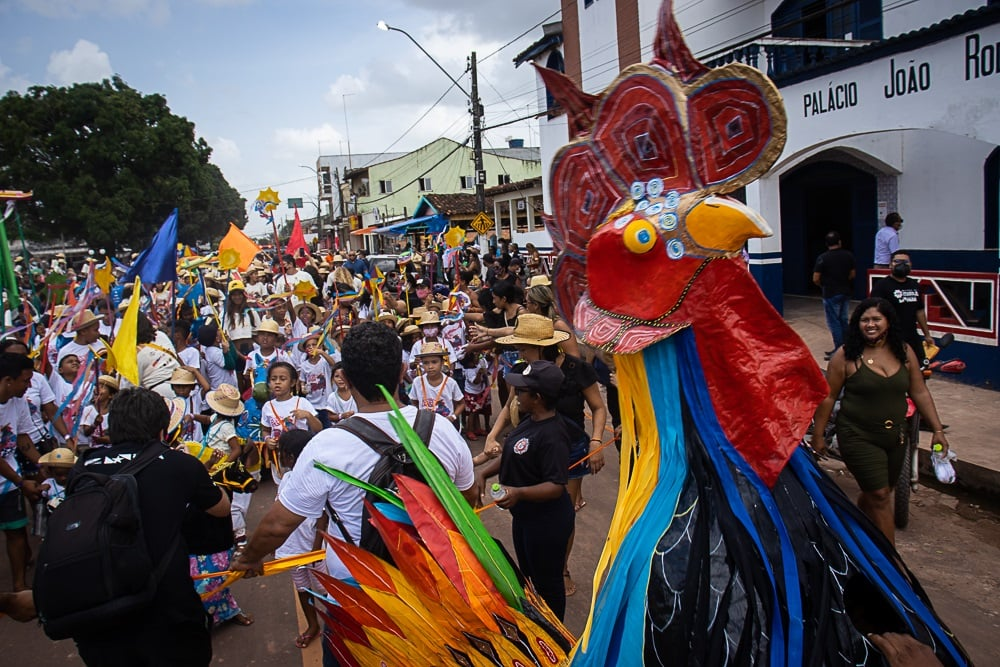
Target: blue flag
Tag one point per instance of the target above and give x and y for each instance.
(158, 262)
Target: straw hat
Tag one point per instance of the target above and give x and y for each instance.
(418, 312)
(540, 279)
(84, 320)
(430, 317)
(338, 258)
(212, 293)
(225, 400)
(386, 315)
(108, 380)
(409, 330)
(183, 377)
(534, 330)
(267, 325)
(313, 334)
(58, 458)
(237, 285)
(317, 313)
(433, 349)
(176, 408)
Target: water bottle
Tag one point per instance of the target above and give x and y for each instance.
(497, 492)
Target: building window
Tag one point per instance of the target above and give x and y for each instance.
(425, 184)
(521, 216)
(467, 182)
(535, 204)
(503, 179)
(384, 187)
(587, 3)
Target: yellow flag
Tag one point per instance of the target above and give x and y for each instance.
(124, 353)
(236, 240)
(104, 276)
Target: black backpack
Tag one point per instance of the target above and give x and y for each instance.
(94, 566)
(394, 460)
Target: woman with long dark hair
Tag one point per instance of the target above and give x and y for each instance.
(876, 370)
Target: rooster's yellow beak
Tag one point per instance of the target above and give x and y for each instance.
(723, 225)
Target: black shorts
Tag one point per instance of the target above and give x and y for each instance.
(12, 515)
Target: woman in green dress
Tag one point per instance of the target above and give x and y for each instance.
(876, 370)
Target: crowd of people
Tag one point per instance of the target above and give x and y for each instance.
(255, 368)
(246, 375)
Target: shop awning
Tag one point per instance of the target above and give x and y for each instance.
(365, 230)
(432, 224)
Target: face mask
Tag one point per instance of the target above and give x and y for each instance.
(431, 331)
(901, 270)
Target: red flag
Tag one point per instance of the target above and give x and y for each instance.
(297, 241)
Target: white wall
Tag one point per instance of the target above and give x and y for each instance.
(598, 44)
(953, 100)
(941, 191)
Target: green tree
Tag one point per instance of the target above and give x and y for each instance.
(107, 164)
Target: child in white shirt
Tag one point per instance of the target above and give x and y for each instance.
(284, 411)
(93, 422)
(315, 369)
(433, 390)
(340, 404)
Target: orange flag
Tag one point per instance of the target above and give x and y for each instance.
(236, 240)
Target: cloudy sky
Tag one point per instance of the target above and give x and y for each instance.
(266, 82)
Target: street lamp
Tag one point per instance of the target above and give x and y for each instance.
(382, 25)
(476, 110)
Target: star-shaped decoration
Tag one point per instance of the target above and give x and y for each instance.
(454, 237)
(269, 198)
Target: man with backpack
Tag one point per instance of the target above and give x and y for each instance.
(371, 356)
(132, 604)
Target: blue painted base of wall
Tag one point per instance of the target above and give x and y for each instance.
(982, 364)
(768, 277)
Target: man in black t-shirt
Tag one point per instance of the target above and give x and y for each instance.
(174, 630)
(906, 295)
(834, 273)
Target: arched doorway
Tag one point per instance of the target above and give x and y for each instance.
(819, 197)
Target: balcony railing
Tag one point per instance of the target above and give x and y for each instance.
(780, 56)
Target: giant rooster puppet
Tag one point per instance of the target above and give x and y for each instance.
(728, 545)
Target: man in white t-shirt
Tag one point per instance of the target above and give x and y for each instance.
(15, 429)
(87, 338)
(286, 281)
(370, 356)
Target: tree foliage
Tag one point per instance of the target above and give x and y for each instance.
(108, 164)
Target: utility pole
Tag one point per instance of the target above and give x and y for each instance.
(477, 137)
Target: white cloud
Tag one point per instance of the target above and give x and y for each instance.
(11, 81)
(303, 143)
(86, 62)
(225, 151)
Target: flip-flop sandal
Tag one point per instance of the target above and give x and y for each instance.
(471, 436)
(242, 619)
(303, 640)
(569, 584)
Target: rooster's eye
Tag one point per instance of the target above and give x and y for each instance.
(640, 236)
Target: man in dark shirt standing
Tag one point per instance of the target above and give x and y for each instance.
(834, 273)
(174, 630)
(906, 295)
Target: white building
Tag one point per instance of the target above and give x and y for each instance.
(891, 106)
